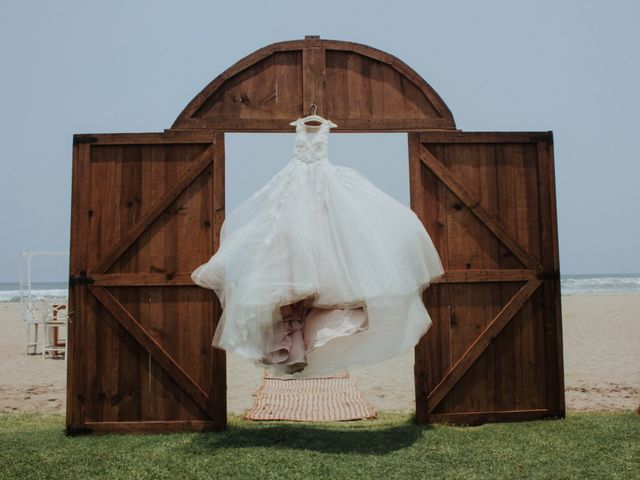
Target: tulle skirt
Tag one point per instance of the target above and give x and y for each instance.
(324, 234)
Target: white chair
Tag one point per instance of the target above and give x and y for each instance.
(54, 323)
(34, 313)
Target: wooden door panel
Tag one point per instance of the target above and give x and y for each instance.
(123, 207)
(182, 218)
(491, 384)
(130, 386)
(146, 210)
(462, 198)
(494, 349)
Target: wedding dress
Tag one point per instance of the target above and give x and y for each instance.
(319, 270)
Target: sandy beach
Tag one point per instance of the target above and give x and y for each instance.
(601, 357)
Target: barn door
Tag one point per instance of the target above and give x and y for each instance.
(146, 210)
(494, 351)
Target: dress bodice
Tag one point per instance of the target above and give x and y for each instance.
(309, 149)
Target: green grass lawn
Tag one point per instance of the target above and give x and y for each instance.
(593, 445)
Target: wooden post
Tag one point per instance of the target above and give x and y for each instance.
(313, 74)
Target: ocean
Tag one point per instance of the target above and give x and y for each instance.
(10, 292)
(569, 285)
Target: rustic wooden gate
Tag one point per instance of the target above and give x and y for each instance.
(494, 350)
(146, 209)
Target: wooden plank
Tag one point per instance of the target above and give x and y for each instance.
(153, 158)
(143, 138)
(358, 98)
(190, 340)
(163, 396)
(80, 190)
(523, 159)
(462, 231)
(555, 283)
(140, 279)
(445, 360)
(166, 401)
(470, 394)
(504, 345)
(345, 125)
(335, 82)
(118, 363)
(474, 205)
(155, 349)
(256, 94)
(452, 137)
(439, 355)
(508, 346)
(126, 399)
(166, 303)
(478, 418)
(417, 194)
(199, 164)
(534, 395)
(107, 331)
(552, 198)
(218, 189)
(552, 319)
(425, 189)
(288, 85)
(466, 321)
(481, 343)
(376, 89)
(313, 75)
(490, 245)
(217, 357)
(101, 176)
(152, 426)
(466, 236)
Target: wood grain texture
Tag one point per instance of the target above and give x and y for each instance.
(146, 211)
(150, 426)
(358, 87)
(494, 351)
(313, 76)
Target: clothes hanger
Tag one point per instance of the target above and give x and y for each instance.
(313, 117)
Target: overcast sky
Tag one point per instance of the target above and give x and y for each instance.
(125, 66)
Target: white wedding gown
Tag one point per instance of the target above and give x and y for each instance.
(324, 234)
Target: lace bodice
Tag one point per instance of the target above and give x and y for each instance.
(309, 149)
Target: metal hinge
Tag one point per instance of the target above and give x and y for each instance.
(544, 275)
(81, 279)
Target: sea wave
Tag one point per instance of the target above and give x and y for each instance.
(600, 284)
(14, 295)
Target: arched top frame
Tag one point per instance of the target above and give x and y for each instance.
(358, 87)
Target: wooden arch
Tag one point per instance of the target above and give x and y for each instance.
(356, 86)
(147, 209)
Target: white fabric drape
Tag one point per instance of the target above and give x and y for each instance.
(323, 231)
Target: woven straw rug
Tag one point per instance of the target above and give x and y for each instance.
(324, 399)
